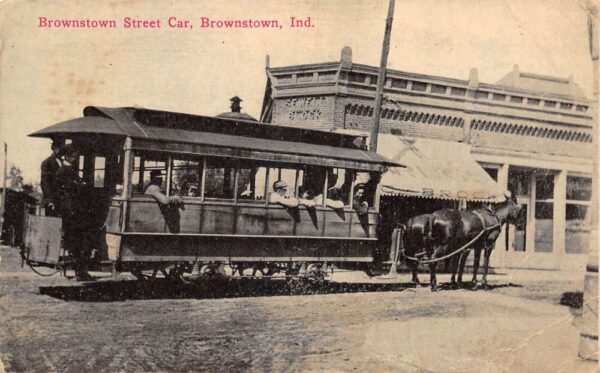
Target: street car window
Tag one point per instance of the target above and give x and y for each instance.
(220, 178)
(185, 177)
(99, 172)
(143, 165)
(251, 182)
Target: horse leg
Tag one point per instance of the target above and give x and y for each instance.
(433, 279)
(414, 265)
(463, 260)
(475, 267)
(454, 264)
(486, 263)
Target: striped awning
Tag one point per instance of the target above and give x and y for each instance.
(436, 169)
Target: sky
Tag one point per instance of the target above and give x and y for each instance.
(48, 75)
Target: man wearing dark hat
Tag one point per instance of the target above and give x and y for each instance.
(49, 168)
(154, 189)
(75, 220)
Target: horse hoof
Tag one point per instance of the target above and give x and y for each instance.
(474, 286)
(434, 288)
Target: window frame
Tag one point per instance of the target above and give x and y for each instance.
(142, 157)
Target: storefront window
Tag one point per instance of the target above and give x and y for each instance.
(544, 213)
(518, 181)
(544, 187)
(579, 188)
(543, 226)
(577, 227)
(520, 239)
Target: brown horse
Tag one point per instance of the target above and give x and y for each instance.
(473, 223)
(432, 236)
(442, 232)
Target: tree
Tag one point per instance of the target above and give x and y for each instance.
(15, 178)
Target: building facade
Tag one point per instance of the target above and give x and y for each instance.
(531, 133)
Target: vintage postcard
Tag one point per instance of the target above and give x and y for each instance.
(269, 186)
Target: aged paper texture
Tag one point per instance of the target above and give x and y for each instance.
(499, 91)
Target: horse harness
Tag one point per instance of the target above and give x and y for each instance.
(485, 216)
(489, 220)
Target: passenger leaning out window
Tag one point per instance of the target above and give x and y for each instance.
(279, 195)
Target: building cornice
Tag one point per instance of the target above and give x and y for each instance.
(534, 160)
(431, 79)
(441, 102)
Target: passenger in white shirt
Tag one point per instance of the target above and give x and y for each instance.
(279, 196)
(153, 189)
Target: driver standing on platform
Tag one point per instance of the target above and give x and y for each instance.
(72, 209)
(49, 168)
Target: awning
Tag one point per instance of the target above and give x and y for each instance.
(436, 169)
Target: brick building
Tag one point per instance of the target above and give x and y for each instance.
(531, 133)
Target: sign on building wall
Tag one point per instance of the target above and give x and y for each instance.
(312, 111)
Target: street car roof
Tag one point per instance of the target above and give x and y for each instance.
(235, 138)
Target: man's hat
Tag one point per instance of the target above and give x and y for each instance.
(359, 186)
(68, 149)
(56, 143)
(279, 184)
(155, 173)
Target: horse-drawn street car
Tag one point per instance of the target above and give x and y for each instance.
(223, 171)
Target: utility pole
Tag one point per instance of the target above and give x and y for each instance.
(3, 206)
(381, 76)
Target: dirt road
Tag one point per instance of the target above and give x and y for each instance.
(54, 324)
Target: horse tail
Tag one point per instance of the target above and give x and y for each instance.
(409, 234)
(428, 234)
(428, 231)
(413, 236)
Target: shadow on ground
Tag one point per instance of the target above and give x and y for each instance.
(115, 291)
(469, 286)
